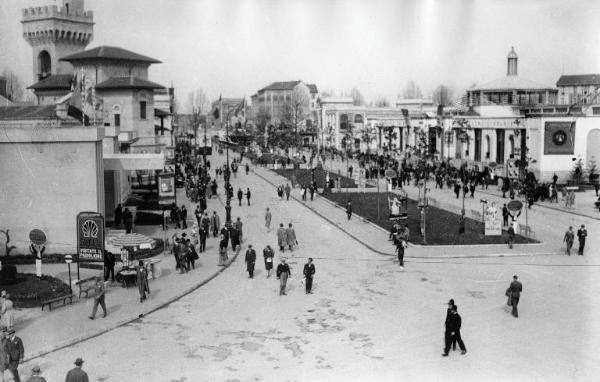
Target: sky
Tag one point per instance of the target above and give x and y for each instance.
(235, 47)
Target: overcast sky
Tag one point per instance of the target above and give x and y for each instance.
(235, 47)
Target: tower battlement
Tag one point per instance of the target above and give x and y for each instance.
(54, 11)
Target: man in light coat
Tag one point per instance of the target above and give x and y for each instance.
(290, 235)
(281, 237)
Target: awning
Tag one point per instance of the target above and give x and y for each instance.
(118, 162)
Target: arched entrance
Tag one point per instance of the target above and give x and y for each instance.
(593, 146)
(44, 65)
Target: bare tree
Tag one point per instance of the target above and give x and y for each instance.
(411, 90)
(198, 102)
(442, 95)
(14, 87)
(382, 102)
(357, 97)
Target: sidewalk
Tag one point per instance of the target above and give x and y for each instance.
(46, 331)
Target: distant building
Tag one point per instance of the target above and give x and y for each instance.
(511, 90)
(579, 88)
(416, 105)
(276, 97)
(231, 110)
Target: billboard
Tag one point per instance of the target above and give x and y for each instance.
(90, 236)
(559, 138)
(166, 188)
(492, 220)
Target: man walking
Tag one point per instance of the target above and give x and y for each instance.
(142, 280)
(268, 254)
(569, 239)
(453, 324)
(281, 237)
(288, 190)
(505, 214)
(240, 195)
(400, 246)
(248, 195)
(309, 272)
(98, 298)
(77, 374)
(183, 216)
(268, 217)
(283, 272)
(290, 235)
(16, 352)
(202, 233)
(514, 292)
(349, 209)
(581, 235)
(250, 260)
(109, 266)
(215, 223)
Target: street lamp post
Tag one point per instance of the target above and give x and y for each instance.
(227, 185)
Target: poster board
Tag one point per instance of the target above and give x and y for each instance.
(90, 237)
(166, 188)
(492, 220)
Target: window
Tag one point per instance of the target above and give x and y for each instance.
(117, 120)
(142, 109)
(358, 118)
(596, 110)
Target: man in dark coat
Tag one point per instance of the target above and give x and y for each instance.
(283, 272)
(248, 195)
(250, 260)
(514, 291)
(288, 190)
(268, 254)
(349, 209)
(109, 266)
(77, 374)
(240, 195)
(234, 236)
(183, 216)
(309, 273)
(448, 313)
(118, 216)
(581, 235)
(202, 234)
(505, 214)
(142, 280)
(15, 352)
(453, 324)
(215, 223)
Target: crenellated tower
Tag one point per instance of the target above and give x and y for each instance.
(54, 32)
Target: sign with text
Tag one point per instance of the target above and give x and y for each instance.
(90, 236)
(493, 222)
(166, 188)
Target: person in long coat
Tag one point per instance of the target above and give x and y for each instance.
(215, 223)
(283, 272)
(268, 254)
(142, 280)
(250, 260)
(16, 353)
(8, 317)
(268, 217)
(290, 235)
(3, 353)
(281, 237)
(238, 225)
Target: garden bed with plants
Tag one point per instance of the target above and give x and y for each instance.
(27, 290)
(442, 225)
(303, 176)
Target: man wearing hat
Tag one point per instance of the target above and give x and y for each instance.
(35, 375)
(76, 374)
(14, 349)
(514, 290)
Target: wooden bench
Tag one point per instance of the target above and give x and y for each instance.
(86, 286)
(64, 299)
(526, 231)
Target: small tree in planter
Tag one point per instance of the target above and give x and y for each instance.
(593, 171)
(577, 173)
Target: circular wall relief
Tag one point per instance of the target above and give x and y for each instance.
(559, 138)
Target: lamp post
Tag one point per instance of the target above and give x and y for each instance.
(227, 185)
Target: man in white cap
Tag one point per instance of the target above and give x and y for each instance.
(76, 374)
(35, 375)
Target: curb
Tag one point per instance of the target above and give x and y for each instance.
(130, 320)
(413, 245)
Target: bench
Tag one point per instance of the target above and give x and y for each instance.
(64, 299)
(526, 231)
(86, 286)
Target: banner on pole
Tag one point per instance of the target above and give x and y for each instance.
(90, 236)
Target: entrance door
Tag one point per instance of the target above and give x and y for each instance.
(477, 145)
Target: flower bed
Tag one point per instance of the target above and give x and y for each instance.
(30, 291)
(442, 225)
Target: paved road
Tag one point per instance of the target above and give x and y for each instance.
(366, 321)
